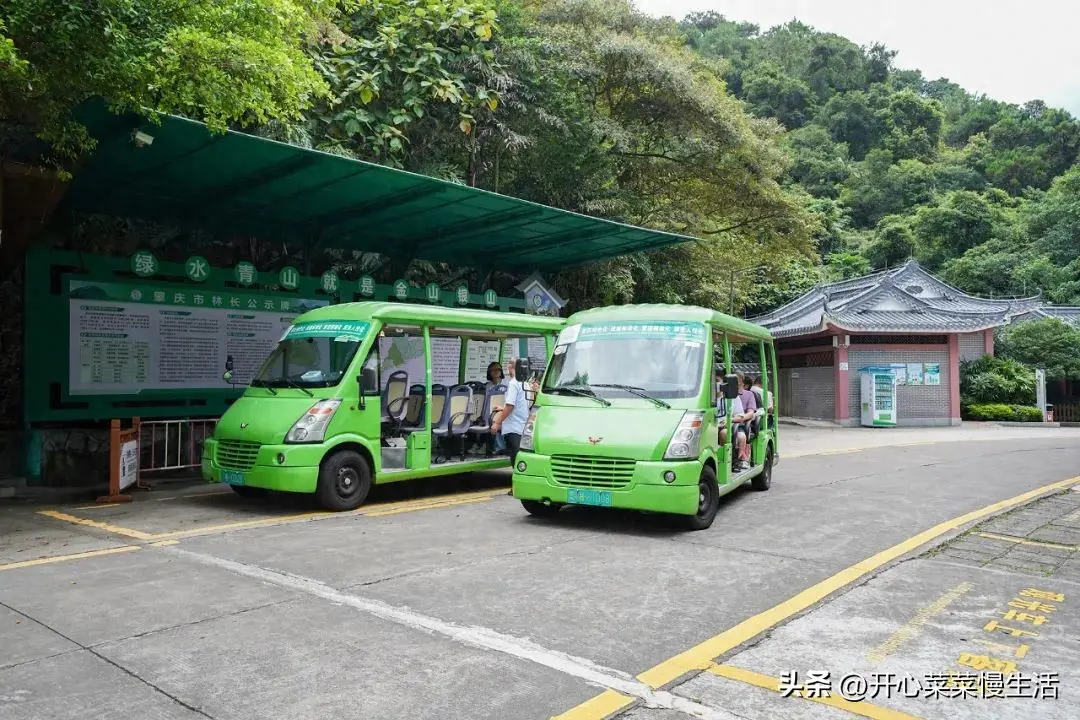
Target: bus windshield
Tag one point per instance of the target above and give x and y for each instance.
(307, 362)
(655, 361)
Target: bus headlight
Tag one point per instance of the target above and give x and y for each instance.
(527, 433)
(311, 427)
(685, 442)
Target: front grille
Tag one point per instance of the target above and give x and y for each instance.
(592, 472)
(237, 454)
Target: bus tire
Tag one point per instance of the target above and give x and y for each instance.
(708, 501)
(763, 480)
(246, 491)
(344, 481)
(539, 509)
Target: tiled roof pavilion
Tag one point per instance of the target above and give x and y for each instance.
(906, 299)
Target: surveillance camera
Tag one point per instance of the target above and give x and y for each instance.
(141, 139)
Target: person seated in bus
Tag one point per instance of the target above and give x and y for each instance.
(495, 444)
(748, 403)
(739, 418)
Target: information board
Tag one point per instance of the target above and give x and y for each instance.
(125, 339)
(407, 353)
(478, 355)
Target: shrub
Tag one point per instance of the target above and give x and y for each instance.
(992, 380)
(1026, 413)
(1001, 412)
(990, 411)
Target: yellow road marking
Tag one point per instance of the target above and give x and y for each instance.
(702, 655)
(377, 510)
(1025, 541)
(912, 627)
(861, 708)
(165, 543)
(463, 501)
(107, 527)
(194, 495)
(603, 705)
(100, 505)
(73, 556)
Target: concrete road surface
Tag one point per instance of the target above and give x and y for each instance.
(889, 563)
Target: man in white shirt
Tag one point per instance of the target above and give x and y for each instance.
(510, 421)
(764, 404)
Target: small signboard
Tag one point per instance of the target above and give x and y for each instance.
(932, 373)
(540, 299)
(129, 464)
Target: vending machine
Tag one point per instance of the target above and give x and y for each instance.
(877, 400)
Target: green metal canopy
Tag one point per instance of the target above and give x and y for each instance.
(242, 184)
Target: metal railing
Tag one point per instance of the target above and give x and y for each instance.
(173, 445)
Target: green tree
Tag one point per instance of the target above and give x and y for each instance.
(957, 222)
(893, 243)
(1049, 343)
(820, 165)
(223, 62)
(770, 92)
(394, 63)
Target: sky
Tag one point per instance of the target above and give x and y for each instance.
(1021, 51)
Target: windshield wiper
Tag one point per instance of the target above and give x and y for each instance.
(263, 384)
(282, 379)
(298, 386)
(582, 391)
(640, 392)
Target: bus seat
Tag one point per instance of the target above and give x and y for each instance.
(438, 405)
(414, 414)
(396, 396)
(494, 397)
(457, 416)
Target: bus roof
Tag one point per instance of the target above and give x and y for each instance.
(410, 313)
(672, 313)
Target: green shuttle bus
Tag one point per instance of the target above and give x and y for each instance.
(631, 414)
(362, 393)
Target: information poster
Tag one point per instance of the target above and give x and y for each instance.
(914, 374)
(536, 349)
(125, 339)
(407, 353)
(900, 373)
(932, 373)
(445, 360)
(478, 355)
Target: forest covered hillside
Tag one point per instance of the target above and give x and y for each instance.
(795, 155)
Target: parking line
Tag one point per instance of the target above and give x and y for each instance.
(107, 527)
(452, 503)
(64, 558)
(702, 656)
(1025, 541)
(376, 510)
(861, 708)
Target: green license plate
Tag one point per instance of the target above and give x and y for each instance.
(600, 498)
(232, 478)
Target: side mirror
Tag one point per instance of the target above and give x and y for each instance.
(731, 386)
(522, 370)
(227, 376)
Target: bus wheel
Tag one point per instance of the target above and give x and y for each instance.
(539, 509)
(764, 479)
(246, 491)
(708, 501)
(344, 481)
